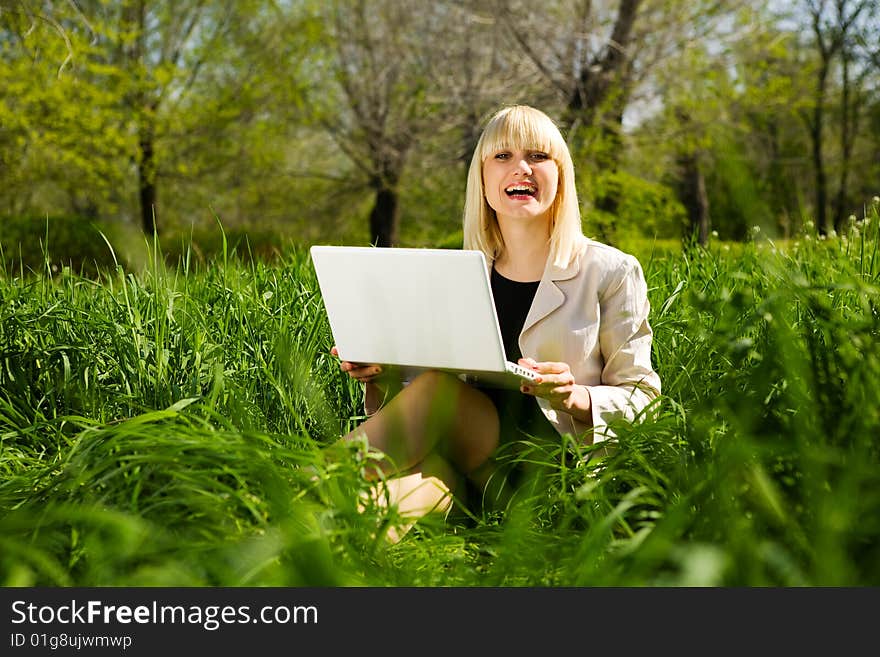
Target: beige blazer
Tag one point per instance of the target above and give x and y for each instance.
(593, 315)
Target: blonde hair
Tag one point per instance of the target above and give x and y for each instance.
(526, 128)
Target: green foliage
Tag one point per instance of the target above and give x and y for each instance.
(243, 106)
(63, 132)
(246, 243)
(646, 209)
(167, 427)
(431, 205)
(39, 243)
(736, 193)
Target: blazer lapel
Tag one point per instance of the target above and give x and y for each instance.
(549, 297)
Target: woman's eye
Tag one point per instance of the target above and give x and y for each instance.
(540, 157)
(502, 156)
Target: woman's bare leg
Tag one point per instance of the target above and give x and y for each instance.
(435, 415)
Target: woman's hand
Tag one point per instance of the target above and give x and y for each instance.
(363, 372)
(556, 384)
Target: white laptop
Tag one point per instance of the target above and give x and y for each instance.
(416, 309)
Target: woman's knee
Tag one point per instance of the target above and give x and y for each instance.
(466, 418)
(438, 394)
(477, 434)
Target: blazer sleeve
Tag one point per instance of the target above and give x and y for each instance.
(628, 381)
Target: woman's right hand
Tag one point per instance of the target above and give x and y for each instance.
(363, 372)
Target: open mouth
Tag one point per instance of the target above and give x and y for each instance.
(521, 190)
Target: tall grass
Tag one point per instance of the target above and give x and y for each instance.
(165, 427)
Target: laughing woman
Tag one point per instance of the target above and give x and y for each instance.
(573, 310)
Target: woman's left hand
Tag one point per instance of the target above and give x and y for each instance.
(556, 384)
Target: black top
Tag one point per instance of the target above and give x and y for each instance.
(512, 302)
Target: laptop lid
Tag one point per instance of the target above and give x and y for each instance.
(422, 308)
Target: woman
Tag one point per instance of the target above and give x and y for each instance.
(570, 308)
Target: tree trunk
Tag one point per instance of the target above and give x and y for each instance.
(818, 157)
(848, 126)
(596, 80)
(692, 193)
(782, 198)
(471, 131)
(384, 217)
(147, 183)
(599, 99)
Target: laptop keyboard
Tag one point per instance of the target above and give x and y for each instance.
(519, 370)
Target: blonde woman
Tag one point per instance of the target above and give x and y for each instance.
(570, 308)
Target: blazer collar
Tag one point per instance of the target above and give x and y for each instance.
(548, 296)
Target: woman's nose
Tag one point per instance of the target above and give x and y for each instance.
(522, 166)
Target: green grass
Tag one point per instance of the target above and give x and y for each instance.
(165, 427)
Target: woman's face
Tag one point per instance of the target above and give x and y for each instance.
(520, 184)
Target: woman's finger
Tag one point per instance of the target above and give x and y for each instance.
(365, 373)
(550, 367)
(550, 386)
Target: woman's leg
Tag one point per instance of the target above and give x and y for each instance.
(437, 414)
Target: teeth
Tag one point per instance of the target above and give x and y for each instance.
(520, 188)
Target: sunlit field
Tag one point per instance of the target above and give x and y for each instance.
(170, 427)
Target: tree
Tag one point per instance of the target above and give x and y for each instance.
(585, 53)
(834, 26)
(160, 48)
(236, 145)
(62, 131)
(598, 56)
(381, 57)
(192, 104)
(692, 184)
(167, 46)
(726, 135)
(858, 62)
(478, 75)
(582, 52)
